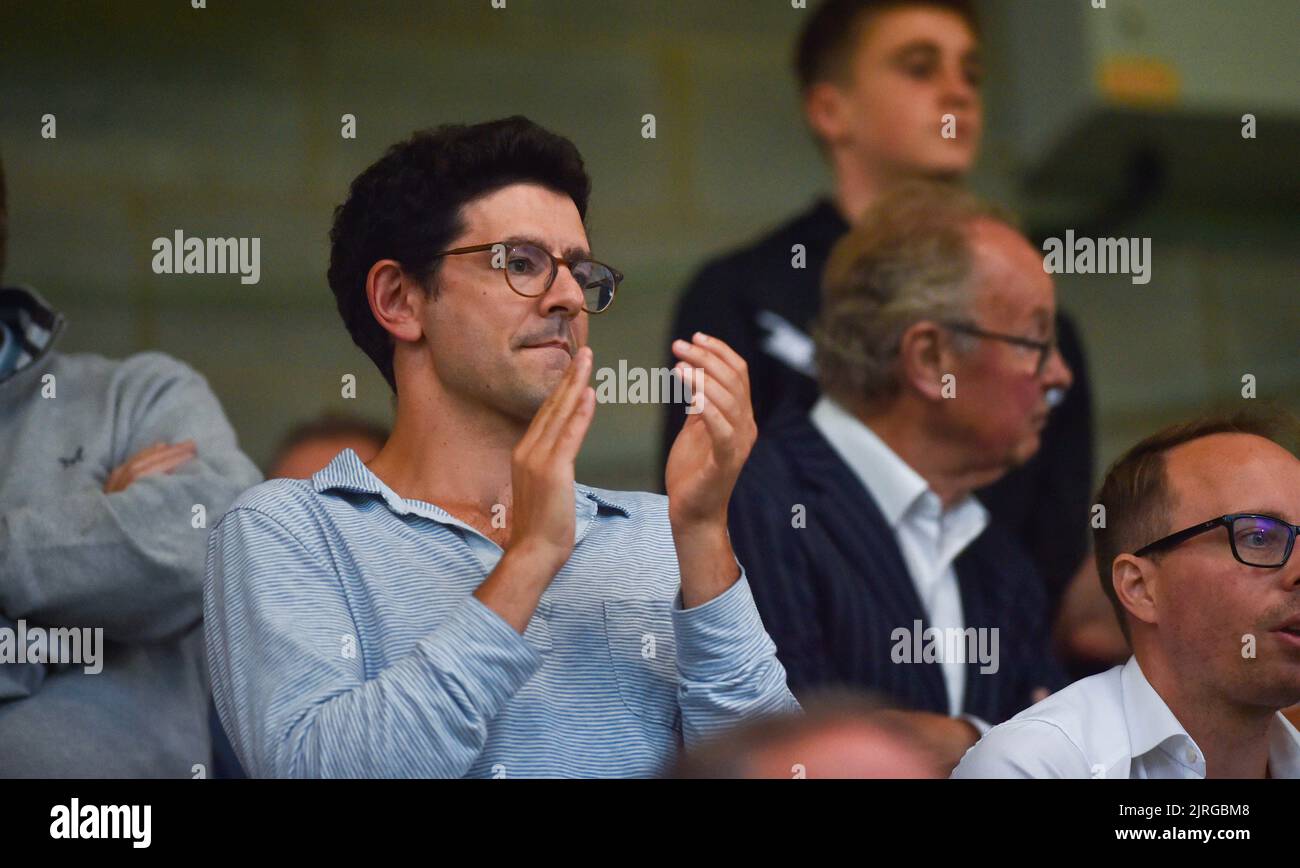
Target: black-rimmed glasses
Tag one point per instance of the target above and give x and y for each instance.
(530, 271)
(1256, 540)
(1044, 348)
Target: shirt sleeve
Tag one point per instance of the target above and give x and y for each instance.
(130, 562)
(292, 686)
(1023, 749)
(726, 664)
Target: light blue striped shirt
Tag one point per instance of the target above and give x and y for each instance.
(344, 641)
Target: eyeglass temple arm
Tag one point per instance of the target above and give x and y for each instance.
(1175, 539)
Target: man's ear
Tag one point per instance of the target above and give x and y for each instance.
(395, 300)
(826, 111)
(1135, 585)
(921, 359)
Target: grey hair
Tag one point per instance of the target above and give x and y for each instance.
(909, 259)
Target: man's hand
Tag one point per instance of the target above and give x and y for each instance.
(158, 458)
(542, 522)
(704, 463)
(541, 467)
(948, 738)
(713, 444)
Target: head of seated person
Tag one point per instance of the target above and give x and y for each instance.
(937, 330)
(1197, 556)
(312, 445)
(839, 734)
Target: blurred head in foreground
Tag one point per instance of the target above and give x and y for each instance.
(839, 735)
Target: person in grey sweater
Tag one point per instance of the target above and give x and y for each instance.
(111, 473)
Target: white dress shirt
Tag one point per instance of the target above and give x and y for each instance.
(929, 536)
(1112, 725)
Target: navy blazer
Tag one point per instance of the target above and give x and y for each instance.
(832, 593)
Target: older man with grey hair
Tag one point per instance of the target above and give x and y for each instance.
(872, 563)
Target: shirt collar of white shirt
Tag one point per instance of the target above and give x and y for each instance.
(1152, 725)
(892, 483)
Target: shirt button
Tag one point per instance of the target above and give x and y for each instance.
(1191, 757)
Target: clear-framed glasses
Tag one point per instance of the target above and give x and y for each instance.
(1256, 540)
(530, 271)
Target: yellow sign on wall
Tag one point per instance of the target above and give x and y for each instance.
(1139, 81)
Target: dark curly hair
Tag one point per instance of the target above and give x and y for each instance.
(407, 207)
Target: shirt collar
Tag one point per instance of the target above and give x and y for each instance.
(8, 350)
(826, 218)
(1283, 749)
(38, 326)
(1151, 725)
(347, 472)
(1149, 720)
(892, 483)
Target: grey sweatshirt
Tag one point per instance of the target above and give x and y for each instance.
(130, 562)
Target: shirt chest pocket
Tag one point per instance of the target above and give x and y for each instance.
(538, 631)
(643, 655)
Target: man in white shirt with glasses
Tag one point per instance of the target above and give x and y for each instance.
(1198, 555)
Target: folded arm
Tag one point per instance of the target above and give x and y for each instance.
(130, 561)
